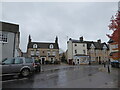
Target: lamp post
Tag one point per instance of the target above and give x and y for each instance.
(41, 66)
(89, 60)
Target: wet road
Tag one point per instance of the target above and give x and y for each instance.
(83, 76)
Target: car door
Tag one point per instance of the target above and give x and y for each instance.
(6, 65)
(17, 65)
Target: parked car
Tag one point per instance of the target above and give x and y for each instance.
(37, 66)
(115, 64)
(18, 65)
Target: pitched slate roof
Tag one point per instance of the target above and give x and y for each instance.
(9, 27)
(110, 41)
(43, 45)
(97, 45)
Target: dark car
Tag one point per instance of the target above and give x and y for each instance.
(37, 66)
(18, 65)
(115, 64)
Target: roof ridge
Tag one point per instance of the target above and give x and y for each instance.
(43, 42)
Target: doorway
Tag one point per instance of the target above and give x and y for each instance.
(43, 60)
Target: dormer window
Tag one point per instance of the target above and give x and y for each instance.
(104, 47)
(35, 46)
(92, 46)
(51, 46)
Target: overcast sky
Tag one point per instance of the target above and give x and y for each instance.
(46, 20)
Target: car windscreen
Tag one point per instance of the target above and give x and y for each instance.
(4, 59)
(28, 60)
(8, 61)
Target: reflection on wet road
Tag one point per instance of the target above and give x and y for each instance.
(71, 77)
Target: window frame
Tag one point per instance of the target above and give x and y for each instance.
(75, 51)
(84, 51)
(75, 44)
(35, 46)
(3, 37)
(51, 46)
(37, 53)
(48, 53)
(32, 53)
(83, 45)
(54, 53)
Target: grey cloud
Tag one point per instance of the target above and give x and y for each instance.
(46, 20)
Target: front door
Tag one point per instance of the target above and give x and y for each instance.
(43, 60)
(52, 60)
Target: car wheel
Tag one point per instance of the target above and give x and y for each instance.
(25, 72)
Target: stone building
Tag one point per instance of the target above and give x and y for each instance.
(43, 51)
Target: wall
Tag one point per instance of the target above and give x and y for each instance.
(7, 48)
(70, 50)
(79, 48)
(45, 52)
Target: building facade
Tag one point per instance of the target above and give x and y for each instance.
(45, 52)
(9, 40)
(113, 50)
(114, 45)
(84, 52)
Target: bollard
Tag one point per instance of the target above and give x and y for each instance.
(108, 69)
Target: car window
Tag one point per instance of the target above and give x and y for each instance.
(8, 61)
(28, 60)
(18, 61)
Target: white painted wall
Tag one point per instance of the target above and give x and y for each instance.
(7, 48)
(17, 45)
(70, 50)
(79, 48)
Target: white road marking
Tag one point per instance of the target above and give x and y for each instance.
(14, 80)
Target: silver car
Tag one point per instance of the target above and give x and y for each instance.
(18, 65)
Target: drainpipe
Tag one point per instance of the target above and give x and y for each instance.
(14, 46)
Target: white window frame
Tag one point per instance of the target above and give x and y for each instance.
(32, 53)
(35, 46)
(84, 51)
(54, 53)
(75, 44)
(37, 53)
(51, 46)
(48, 53)
(83, 45)
(3, 37)
(75, 51)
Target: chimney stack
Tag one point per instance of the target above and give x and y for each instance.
(99, 40)
(81, 38)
